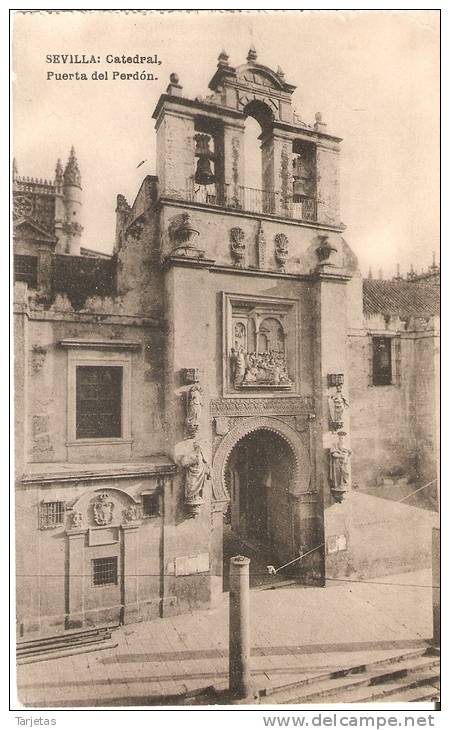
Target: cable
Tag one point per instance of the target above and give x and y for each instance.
(417, 490)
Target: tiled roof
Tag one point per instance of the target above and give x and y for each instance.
(400, 298)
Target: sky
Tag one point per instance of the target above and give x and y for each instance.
(374, 76)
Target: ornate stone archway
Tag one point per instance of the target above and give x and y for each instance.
(302, 467)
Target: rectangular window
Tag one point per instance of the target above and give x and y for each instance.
(104, 571)
(382, 360)
(25, 269)
(51, 514)
(99, 402)
(150, 505)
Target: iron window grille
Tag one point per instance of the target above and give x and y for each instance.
(150, 505)
(25, 269)
(104, 571)
(51, 514)
(98, 401)
(382, 361)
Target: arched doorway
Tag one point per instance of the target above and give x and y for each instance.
(259, 474)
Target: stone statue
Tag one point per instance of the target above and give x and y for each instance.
(194, 409)
(336, 404)
(197, 472)
(340, 468)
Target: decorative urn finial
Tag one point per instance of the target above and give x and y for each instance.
(223, 58)
(252, 55)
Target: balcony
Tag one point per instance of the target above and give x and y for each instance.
(251, 200)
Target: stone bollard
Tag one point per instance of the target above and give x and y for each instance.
(436, 580)
(239, 640)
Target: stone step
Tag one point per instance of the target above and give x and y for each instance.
(345, 671)
(63, 644)
(412, 682)
(64, 637)
(328, 684)
(417, 694)
(67, 651)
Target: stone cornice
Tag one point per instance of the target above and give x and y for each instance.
(194, 105)
(101, 344)
(179, 203)
(99, 473)
(224, 269)
(193, 262)
(125, 320)
(339, 275)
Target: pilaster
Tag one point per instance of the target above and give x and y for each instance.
(130, 571)
(77, 539)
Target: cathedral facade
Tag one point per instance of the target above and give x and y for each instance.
(219, 382)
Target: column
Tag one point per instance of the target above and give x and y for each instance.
(239, 640)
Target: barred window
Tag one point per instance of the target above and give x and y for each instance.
(51, 514)
(382, 361)
(104, 571)
(150, 505)
(25, 269)
(99, 402)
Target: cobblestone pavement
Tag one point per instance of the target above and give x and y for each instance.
(296, 631)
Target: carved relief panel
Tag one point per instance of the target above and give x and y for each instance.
(260, 344)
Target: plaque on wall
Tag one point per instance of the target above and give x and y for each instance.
(103, 536)
(189, 565)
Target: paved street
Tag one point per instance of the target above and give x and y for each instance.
(296, 631)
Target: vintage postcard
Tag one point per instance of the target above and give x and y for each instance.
(225, 237)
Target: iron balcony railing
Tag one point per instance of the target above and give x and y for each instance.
(251, 200)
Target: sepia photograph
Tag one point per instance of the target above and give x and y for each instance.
(225, 242)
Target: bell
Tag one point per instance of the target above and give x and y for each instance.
(299, 190)
(301, 180)
(203, 174)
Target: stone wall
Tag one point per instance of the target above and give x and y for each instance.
(48, 587)
(394, 426)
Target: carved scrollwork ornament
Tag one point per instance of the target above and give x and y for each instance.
(132, 513)
(325, 250)
(238, 246)
(76, 520)
(103, 509)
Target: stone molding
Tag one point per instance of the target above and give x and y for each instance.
(262, 406)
